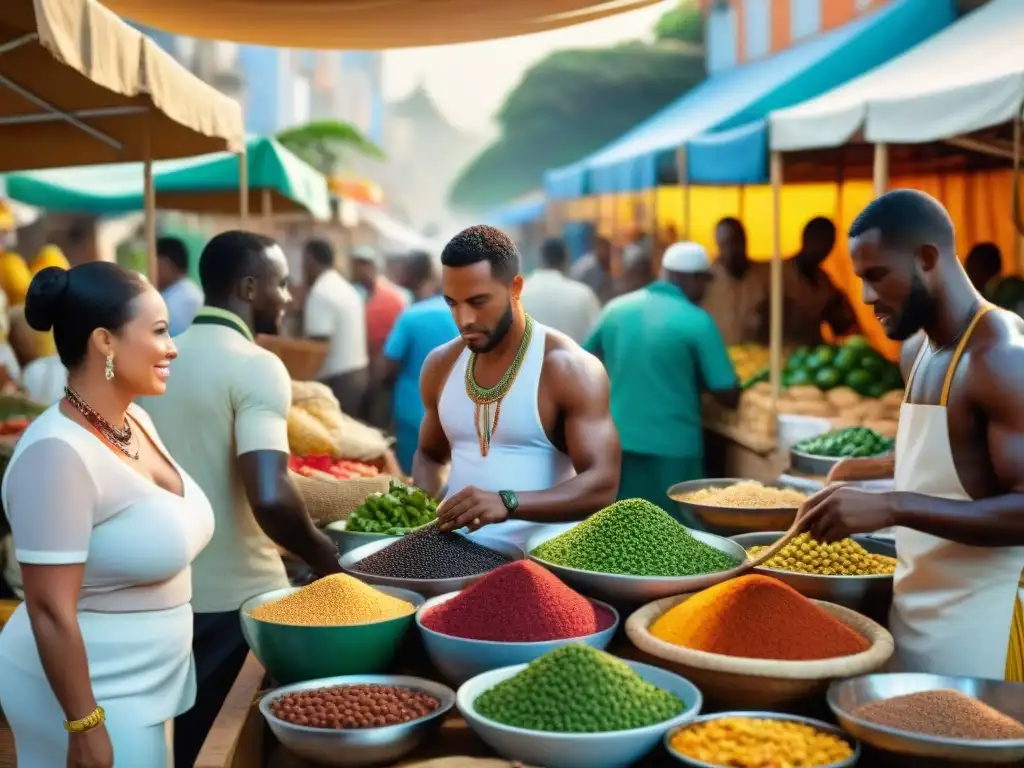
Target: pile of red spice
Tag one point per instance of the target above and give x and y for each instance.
(757, 617)
(518, 603)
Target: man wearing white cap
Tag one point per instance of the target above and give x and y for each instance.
(661, 350)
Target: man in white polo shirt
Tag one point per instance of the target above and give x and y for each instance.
(224, 419)
(335, 313)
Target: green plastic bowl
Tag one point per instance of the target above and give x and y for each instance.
(294, 654)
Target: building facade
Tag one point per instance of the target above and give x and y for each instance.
(742, 31)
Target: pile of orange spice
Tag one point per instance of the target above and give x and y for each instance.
(757, 617)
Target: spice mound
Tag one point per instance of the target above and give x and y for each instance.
(518, 603)
(946, 714)
(333, 601)
(354, 706)
(757, 617)
(578, 689)
(633, 538)
(746, 495)
(843, 558)
(430, 553)
(748, 742)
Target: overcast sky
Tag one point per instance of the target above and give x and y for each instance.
(470, 81)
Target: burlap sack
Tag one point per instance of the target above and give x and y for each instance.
(351, 438)
(329, 501)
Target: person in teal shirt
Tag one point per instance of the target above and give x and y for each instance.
(661, 350)
(418, 330)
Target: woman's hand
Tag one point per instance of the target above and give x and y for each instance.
(90, 749)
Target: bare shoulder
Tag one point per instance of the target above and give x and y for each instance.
(909, 351)
(436, 368)
(571, 368)
(995, 358)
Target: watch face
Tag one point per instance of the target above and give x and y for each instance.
(509, 499)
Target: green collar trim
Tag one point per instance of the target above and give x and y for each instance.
(217, 316)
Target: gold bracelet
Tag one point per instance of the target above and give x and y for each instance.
(87, 723)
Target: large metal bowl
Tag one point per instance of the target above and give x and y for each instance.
(870, 595)
(633, 590)
(459, 658)
(426, 587)
(292, 653)
(816, 724)
(358, 746)
(615, 749)
(347, 540)
(845, 696)
(729, 521)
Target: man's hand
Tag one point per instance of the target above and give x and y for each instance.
(840, 511)
(859, 469)
(471, 508)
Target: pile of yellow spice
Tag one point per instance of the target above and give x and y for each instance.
(748, 742)
(337, 600)
(842, 558)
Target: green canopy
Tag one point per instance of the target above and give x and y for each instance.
(204, 184)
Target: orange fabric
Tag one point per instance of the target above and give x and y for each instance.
(382, 310)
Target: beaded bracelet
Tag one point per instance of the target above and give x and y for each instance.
(87, 723)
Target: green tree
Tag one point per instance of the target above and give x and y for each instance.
(570, 104)
(324, 144)
(684, 24)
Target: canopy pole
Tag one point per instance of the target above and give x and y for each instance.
(243, 186)
(149, 206)
(1018, 235)
(775, 296)
(880, 174)
(267, 210)
(684, 188)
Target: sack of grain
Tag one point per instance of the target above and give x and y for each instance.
(806, 392)
(329, 501)
(842, 397)
(884, 427)
(308, 437)
(351, 438)
(893, 397)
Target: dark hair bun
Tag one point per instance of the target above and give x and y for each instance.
(45, 299)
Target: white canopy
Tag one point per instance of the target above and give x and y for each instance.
(966, 78)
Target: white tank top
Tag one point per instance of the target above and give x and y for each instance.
(521, 458)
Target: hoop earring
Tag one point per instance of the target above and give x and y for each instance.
(108, 368)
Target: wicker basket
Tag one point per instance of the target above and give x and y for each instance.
(738, 683)
(329, 501)
(302, 357)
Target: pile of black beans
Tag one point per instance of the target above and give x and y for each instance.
(429, 553)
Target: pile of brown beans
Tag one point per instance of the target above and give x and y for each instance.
(354, 706)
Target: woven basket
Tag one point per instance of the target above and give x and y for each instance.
(7, 757)
(738, 683)
(301, 357)
(329, 501)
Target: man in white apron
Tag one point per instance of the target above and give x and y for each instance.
(520, 410)
(958, 503)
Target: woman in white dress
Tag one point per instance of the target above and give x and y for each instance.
(97, 661)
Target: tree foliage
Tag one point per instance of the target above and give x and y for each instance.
(570, 104)
(683, 24)
(324, 144)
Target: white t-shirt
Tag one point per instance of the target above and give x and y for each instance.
(44, 379)
(566, 305)
(336, 312)
(136, 539)
(226, 396)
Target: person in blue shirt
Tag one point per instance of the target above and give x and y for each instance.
(661, 350)
(426, 324)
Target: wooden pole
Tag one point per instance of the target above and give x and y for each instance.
(267, 211)
(149, 208)
(880, 173)
(776, 297)
(684, 187)
(1018, 236)
(243, 186)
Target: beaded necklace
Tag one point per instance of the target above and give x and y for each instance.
(484, 398)
(119, 437)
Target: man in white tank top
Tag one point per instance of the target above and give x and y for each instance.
(958, 504)
(520, 409)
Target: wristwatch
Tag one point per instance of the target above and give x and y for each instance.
(510, 500)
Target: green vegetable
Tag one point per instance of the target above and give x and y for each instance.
(851, 441)
(394, 513)
(826, 378)
(859, 381)
(578, 689)
(822, 356)
(636, 538)
(757, 378)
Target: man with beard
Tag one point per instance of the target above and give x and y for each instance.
(224, 419)
(737, 295)
(958, 503)
(519, 409)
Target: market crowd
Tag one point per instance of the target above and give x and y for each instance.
(521, 401)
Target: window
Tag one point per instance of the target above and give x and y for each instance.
(804, 18)
(757, 23)
(721, 38)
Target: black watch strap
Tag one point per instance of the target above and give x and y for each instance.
(510, 500)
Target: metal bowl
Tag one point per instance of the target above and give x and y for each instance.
(818, 466)
(845, 696)
(615, 749)
(426, 587)
(729, 521)
(816, 724)
(348, 540)
(631, 590)
(459, 658)
(358, 746)
(292, 653)
(870, 595)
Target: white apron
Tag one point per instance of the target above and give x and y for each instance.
(953, 604)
